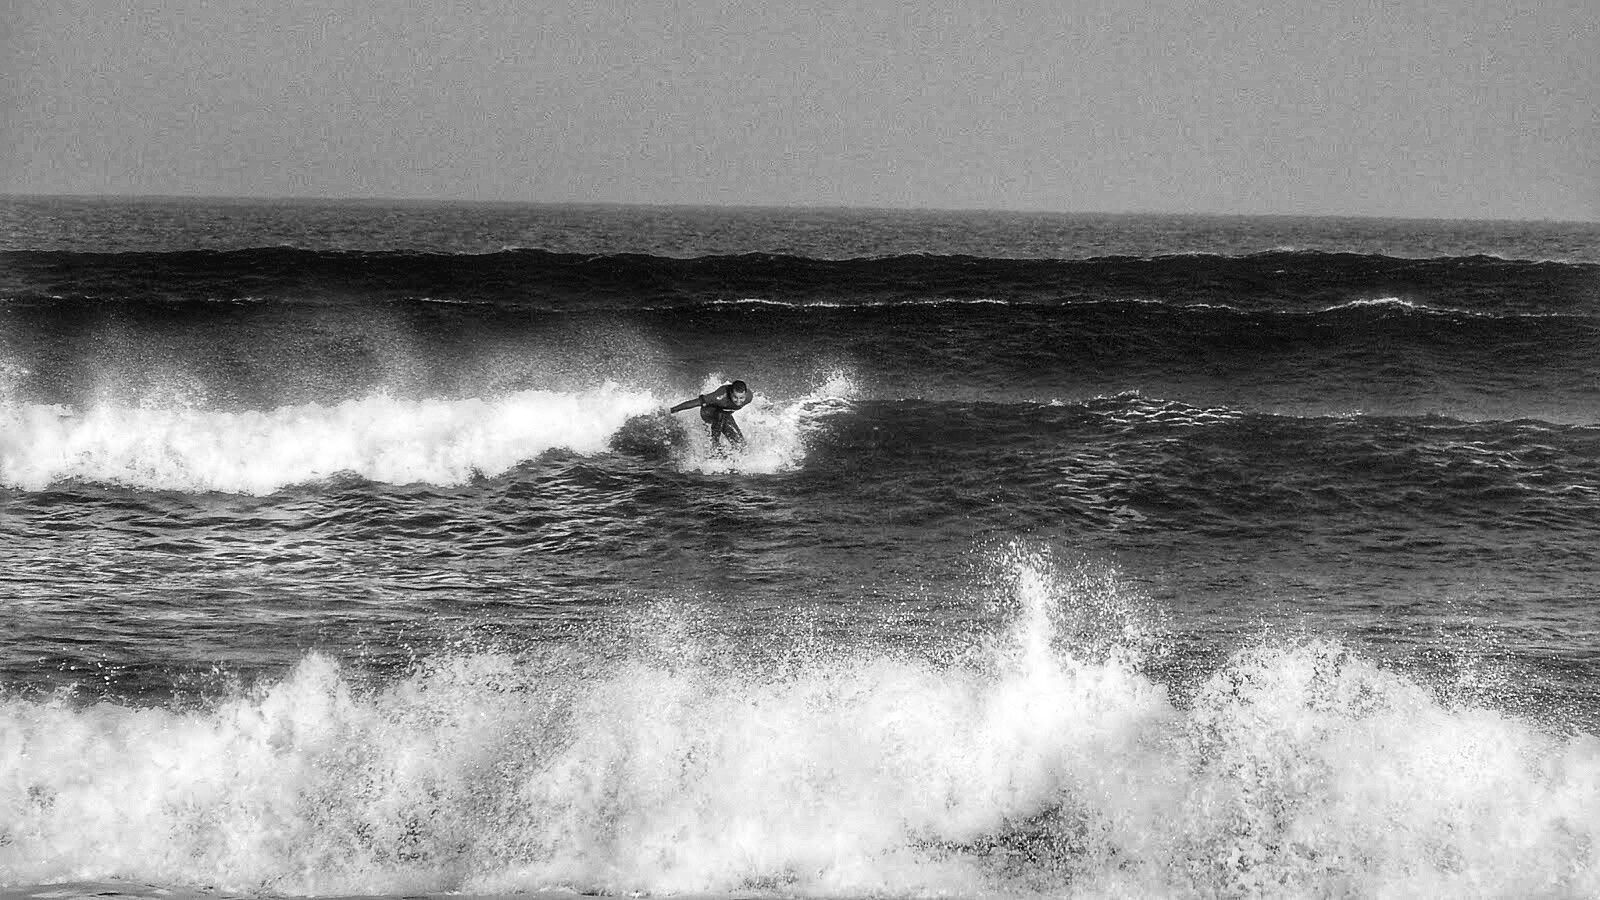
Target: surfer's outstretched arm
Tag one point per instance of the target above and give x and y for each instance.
(690, 404)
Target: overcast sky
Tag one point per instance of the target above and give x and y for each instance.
(1449, 108)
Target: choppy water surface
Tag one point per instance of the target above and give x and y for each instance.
(352, 552)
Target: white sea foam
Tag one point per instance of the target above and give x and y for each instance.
(1392, 303)
(173, 447)
(1047, 764)
(170, 444)
(1398, 303)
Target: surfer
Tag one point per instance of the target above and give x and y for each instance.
(716, 410)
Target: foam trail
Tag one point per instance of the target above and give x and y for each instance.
(1037, 767)
(377, 437)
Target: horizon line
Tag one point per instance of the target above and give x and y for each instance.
(810, 207)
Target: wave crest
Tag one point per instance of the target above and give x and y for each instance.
(1046, 762)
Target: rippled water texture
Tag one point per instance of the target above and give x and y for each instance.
(351, 550)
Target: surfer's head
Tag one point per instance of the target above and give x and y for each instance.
(739, 391)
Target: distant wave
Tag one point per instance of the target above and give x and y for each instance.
(541, 279)
(1380, 304)
(756, 305)
(1409, 306)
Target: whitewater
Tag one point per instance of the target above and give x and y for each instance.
(1023, 762)
(379, 438)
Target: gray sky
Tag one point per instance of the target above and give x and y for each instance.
(1454, 108)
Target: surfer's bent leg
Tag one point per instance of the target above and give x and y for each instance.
(713, 419)
(722, 425)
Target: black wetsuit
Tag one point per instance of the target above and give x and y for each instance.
(716, 410)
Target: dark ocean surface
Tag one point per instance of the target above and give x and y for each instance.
(350, 550)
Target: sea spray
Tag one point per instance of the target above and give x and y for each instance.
(193, 448)
(377, 437)
(776, 432)
(649, 757)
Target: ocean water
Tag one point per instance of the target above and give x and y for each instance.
(349, 550)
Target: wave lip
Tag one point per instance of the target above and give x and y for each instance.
(378, 437)
(256, 452)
